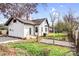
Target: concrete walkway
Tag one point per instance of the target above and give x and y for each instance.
(56, 42)
(8, 39)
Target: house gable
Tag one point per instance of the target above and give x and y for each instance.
(42, 28)
(16, 29)
(45, 22)
(30, 22)
(20, 20)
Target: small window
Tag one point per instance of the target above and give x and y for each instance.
(42, 29)
(14, 21)
(46, 25)
(36, 29)
(45, 29)
(30, 31)
(10, 29)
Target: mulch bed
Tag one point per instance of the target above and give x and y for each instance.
(5, 51)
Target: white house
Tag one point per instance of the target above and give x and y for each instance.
(22, 28)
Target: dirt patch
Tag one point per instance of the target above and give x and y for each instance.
(5, 51)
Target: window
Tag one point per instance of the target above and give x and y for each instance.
(42, 29)
(46, 25)
(45, 29)
(36, 29)
(10, 29)
(30, 31)
(14, 21)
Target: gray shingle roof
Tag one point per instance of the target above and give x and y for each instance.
(31, 22)
(38, 21)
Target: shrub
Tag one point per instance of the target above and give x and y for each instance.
(38, 49)
(46, 51)
(33, 50)
(21, 52)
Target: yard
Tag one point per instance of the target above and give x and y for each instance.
(57, 36)
(38, 49)
(32, 48)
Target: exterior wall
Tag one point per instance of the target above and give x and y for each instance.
(26, 30)
(42, 25)
(16, 29)
(22, 30)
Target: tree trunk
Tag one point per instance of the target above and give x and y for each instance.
(77, 46)
(37, 37)
(27, 16)
(71, 37)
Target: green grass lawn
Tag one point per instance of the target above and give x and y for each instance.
(57, 36)
(38, 49)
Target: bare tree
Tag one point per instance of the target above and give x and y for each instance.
(52, 20)
(18, 9)
(71, 24)
(53, 16)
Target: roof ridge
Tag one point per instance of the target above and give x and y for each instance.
(33, 22)
(40, 18)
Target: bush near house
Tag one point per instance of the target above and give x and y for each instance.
(3, 30)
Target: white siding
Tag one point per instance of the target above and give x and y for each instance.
(16, 29)
(26, 30)
(19, 29)
(42, 25)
